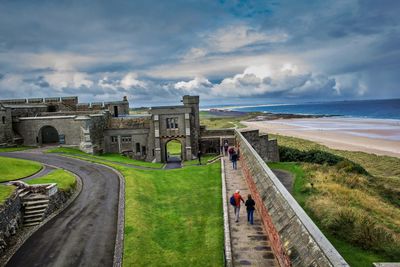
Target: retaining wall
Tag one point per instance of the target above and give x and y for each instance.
(295, 239)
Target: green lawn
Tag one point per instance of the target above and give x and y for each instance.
(108, 156)
(172, 217)
(64, 180)
(17, 148)
(12, 169)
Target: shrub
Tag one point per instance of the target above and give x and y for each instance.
(289, 154)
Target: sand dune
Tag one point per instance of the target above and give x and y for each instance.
(381, 137)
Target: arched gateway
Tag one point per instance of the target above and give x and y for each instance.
(49, 135)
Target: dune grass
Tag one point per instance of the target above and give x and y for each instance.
(354, 211)
(65, 180)
(107, 156)
(172, 217)
(12, 169)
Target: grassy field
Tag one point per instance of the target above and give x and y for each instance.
(108, 156)
(17, 148)
(172, 217)
(64, 180)
(357, 212)
(12, 169)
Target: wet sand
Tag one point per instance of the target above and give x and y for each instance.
(381, 137)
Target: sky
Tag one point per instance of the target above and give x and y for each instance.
(225, 51)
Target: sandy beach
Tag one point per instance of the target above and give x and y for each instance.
(381, 137)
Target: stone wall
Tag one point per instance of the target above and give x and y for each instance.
(10, 219)
(6, 131)
(295, 239)
(267, 149)
(69, 126)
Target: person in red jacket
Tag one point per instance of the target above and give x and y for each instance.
(237, 198)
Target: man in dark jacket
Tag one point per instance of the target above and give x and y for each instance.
(250, 208)
(234, 160)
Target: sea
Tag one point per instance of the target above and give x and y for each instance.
(377, 109)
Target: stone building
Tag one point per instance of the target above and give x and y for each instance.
(101, 127)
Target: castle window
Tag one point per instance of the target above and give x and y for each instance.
(3, 119)
(114, 139)
(126, 139)
(143, 151)
(172, 123)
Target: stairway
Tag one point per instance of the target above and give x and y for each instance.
(35, 205)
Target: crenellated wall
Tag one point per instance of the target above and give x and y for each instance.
(294, 237)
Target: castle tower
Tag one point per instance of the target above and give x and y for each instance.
(193, 103)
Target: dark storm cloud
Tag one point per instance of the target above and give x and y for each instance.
(346, 49)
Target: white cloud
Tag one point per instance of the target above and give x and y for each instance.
(196, 83)
(131, 80)
(63, 79)
(231, 38)
(288, 80)
(236, 36)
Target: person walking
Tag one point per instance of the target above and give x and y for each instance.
(199, 154)
(231, 151)
(226, 146)
(237, 198)
(234, 160)
(250, 209)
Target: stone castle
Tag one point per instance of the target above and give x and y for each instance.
(107, 127)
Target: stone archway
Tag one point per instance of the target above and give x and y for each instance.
(174, 151)
(49, 135)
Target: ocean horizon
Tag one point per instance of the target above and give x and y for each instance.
(374, 109)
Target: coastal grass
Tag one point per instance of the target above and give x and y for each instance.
(16, 148)
(107, 157)
(357, 212)
(12, 169)
(384, 170)
(65, 180)
(172, 217)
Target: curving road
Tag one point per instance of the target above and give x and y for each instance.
(84, 233)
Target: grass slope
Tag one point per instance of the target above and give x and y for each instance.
(172, 217)
(108, 156)
(12, 169)
(64, 180)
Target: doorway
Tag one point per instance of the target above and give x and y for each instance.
(49, 135)
(173, 151)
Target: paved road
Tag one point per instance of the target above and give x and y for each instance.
(84, 233)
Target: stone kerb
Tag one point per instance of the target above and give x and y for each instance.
(296, 240)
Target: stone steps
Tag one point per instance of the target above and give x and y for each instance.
(35, 206)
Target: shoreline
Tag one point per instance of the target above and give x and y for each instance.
(381, 137)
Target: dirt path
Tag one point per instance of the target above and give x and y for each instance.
(84, 233)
